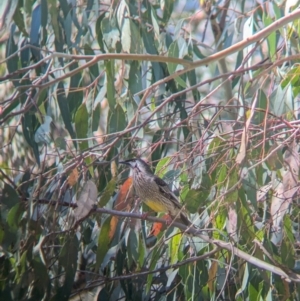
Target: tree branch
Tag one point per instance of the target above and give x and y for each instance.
(287, 275)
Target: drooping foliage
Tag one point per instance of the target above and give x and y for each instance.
(206, 91)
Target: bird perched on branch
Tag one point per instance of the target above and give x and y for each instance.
(154, 191)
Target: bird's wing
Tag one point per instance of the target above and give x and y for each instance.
(166, 192)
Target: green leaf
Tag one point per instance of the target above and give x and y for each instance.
(12, 105)
(117, 121)
(36, 19)
(158, 151)
(94, 70)
(18, 16)
(148, 39)
(183, 117)
(107, 193)
(244, 282)
(99, 33)
(292, 78)
(231, 180)
(248, 31)
(44, 11)
(67, 26)
(12, 63)
(277, 100)
(41, 275)
(287, 253)
(141, 251)
(29, 123)
(131, 40)
(197, 198)
(110, 83)
(214, 146)
(131, 108)
(14, 217)
(124, 25)
(135, 78)
(219, 222)
(187, 273)
(174, 246)
(103, 243)
(104, 294)
(89, 7)
(111, 33)
(197, 52)
(173, 52)
(81, 126)
(54, 16)
(192, 200)
(64, 110)
(75, 95)
(177, 49)
(192, 77)
(9, 196)
(244, 220)
(239, 61)
(132, 247)
(274, 158)
(155, 257)
(288, 228)
(68, 259)
(136, 39)
(155, 25)
(171, 175)
(261, 108)
(68, 253)
(7, 11)
(161, 167)
(222, 175)
(64, 6)
(249, 183)
(267, 20)
(252, 292)
(21, 267)
(167, 8)
(96, 117)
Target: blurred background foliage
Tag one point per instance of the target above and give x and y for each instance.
(206, 91)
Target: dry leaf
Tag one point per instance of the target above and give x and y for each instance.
(73, 177)
(231, 224)
(158, 227)
(86, 201)
(290, 178)
(212, 275)
(285, 191)
(122, 203)
(244, 141)
(279, 208)
(262, 192)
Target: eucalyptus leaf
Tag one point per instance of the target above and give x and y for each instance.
(64, 109)
(86, 201)
(42, 134)
(81, 126)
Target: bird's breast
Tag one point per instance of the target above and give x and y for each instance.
(155, 205)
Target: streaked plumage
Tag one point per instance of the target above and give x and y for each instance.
(154, 191)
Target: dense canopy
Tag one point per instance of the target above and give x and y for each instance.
(207, 92)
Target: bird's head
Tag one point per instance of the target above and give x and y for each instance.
(138, 165)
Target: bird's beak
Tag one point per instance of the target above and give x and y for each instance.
(124, 162)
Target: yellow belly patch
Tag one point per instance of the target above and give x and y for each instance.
(155, 206)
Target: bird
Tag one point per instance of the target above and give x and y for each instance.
(154, 191)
